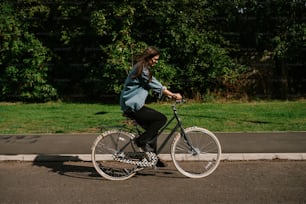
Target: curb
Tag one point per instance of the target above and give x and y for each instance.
(167, 157)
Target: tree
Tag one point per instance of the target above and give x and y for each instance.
(23, 61)
(85, 48)
(269, 37)
(195, 49)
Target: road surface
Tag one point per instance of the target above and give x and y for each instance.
(275, 181)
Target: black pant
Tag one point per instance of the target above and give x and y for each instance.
(151, 120)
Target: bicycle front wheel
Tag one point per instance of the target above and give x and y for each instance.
(198, 154)
(105, 149)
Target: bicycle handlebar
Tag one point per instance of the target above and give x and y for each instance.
(180, 101)
(177, 102)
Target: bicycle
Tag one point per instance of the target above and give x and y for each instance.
(195, 151)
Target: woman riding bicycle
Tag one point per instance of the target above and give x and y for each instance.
(133, 96)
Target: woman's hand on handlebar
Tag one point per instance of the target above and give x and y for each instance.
(177, 96)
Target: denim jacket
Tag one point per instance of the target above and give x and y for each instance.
(136, 90)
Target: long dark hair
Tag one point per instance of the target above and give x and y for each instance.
(143, 60)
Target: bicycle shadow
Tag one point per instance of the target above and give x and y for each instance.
(74, 167)
(169, 172)
(70, 166)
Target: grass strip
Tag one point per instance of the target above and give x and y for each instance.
(19, 118)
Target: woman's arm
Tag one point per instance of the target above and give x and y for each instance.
(159, 88)
(168, 93)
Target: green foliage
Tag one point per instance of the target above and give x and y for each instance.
(23, 62)
(86, 48)
(269, 37)
(193, 46)
(98, 22)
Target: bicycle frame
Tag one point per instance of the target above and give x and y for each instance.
(195, 144)
(177, 126)
(168, 137)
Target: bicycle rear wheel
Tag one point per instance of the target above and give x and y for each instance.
(104, 151)
(199, 155)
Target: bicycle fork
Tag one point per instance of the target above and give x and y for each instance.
(193, 151)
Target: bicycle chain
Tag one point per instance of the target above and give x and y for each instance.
(143, 159)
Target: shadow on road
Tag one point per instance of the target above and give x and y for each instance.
(70, 166)
(74, 167)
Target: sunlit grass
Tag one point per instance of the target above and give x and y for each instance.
(18, 118)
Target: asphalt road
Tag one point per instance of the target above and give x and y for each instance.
(276, 181)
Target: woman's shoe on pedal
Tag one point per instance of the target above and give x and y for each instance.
(144, 147)
(161, 163)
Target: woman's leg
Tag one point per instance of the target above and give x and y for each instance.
(151, 120)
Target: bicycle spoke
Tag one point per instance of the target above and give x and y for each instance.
(104, 151)
(198, 157)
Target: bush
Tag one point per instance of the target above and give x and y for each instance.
(24, 68)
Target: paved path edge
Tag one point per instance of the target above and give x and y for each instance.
(167, 157)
